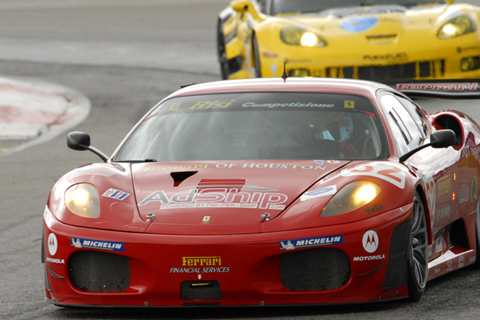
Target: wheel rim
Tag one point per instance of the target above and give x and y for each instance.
(477, 224)
(419, 245)
(477, 232)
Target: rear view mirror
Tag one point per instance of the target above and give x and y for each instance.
(442, 138)
(438, 139)
(77, 140)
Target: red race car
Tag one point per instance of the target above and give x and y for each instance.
(268, 192)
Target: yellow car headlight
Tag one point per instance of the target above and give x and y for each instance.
(301, 37)
(456, 27)
(82, 200)
(351, 197)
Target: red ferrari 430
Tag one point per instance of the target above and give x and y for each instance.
(268, 192)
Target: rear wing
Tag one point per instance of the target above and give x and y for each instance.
(448, 89)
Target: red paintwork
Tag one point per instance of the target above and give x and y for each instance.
(249, 248)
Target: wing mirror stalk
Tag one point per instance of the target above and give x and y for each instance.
(242, 6)
(80, 141)
(438, 139)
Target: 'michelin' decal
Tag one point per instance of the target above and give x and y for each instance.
(311, 242)
(97, 244)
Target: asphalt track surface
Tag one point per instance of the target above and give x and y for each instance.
(125, 56)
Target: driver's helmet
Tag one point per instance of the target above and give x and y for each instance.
(345, 125)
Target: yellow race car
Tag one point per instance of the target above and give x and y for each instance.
(382, 40)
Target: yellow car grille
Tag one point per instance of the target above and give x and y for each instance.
(414, 70)
(382, 37)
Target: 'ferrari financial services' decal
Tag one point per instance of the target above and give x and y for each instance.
(384, 171)
(311, 242)
(97, 244)
(210, 264)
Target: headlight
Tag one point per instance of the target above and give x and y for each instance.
(301, 37)
(456, 27)
(82, 200)
(351, 197)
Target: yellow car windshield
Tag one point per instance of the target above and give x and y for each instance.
(285, 7)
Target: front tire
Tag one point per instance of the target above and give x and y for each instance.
(477, 236)
(418, 251)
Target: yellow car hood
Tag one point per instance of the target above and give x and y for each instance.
(388, 20)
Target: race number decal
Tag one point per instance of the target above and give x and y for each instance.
(384, 171)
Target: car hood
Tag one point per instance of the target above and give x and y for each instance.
(382, 23)
(221, 198)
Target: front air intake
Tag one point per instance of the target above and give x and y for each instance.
(99, 271)
(315, 269)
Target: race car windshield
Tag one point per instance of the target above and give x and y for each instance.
(281, 7)
(254, 126)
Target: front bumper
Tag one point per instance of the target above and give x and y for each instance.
(328, 265)
(420, 57)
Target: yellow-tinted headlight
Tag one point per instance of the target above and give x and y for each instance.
(82, 200)
(301, 37)
(456, 27)
(351, 197)
(309, 39)
(470, 63)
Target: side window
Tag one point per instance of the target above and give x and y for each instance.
(398, 131)
(416, 115)
(262, 4)
(406, 131)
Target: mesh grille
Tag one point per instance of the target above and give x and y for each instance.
(448, 122)
(401, 71)
(316, 269)
(99, 271)
(414, 70)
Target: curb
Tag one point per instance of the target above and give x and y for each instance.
(34, 111)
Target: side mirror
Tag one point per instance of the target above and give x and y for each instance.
(438, 139)
(442, 138)
(77, 140)
(242, 6)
